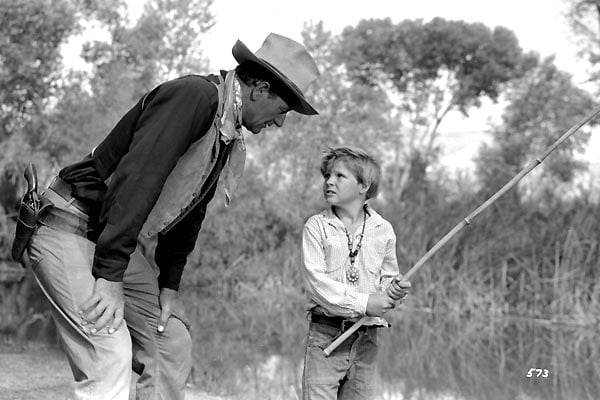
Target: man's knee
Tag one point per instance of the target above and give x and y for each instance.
(113, 349)
(178, 342)
(101, 365)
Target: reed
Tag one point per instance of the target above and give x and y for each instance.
(518, 264)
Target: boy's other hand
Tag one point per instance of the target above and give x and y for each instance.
(398, 289)
(378, 304)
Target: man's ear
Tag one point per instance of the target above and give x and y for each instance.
(260, 89)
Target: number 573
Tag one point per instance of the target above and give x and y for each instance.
(538, 373)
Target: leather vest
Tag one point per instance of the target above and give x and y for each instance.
(182, 189)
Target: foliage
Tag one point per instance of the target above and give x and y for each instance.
(53, 117)
(583, 18)
(430, 69)
(289, 158)
(164, 43)
(385, 87)
(31, 32)
(434, 357)
(544, 104)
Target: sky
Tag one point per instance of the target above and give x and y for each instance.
(540, 26)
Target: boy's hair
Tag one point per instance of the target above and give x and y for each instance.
(364, 167)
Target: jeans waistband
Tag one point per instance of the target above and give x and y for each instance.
(64, 215)
(64, 189)
(336, 322)
(65, 221)
(60, 202)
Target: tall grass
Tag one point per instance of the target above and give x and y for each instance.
(487, 360)
(513, 261)
(244, 294)
(246, 299)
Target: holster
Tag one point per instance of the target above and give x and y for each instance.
(31, 207)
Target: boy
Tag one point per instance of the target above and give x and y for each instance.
(349, 265)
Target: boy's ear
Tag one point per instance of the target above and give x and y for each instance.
(364, 187)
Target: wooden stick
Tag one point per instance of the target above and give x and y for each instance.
(466, 221)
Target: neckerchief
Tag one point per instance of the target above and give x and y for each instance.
(231, 133)
(231, 120)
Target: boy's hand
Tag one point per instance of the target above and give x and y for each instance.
(378, 304)
(398, 289)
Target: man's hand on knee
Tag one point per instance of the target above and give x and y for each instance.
(170, 305)
(105, 307)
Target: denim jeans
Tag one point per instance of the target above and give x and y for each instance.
(350, 371)
(102, 363)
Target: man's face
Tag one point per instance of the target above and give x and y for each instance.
(263, 109)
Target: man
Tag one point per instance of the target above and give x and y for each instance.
(154, 174)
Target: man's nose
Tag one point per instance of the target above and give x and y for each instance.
(280, 120)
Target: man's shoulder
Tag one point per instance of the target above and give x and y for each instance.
(192, 84)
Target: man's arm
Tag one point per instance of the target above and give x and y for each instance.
(173, 247)
(164, 132)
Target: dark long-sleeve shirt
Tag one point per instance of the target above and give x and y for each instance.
(138, 155)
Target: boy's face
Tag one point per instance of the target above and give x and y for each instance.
(340, 186)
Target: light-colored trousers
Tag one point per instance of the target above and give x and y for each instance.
(102, 363)
(350, 371)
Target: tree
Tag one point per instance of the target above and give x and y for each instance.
(30, 67)
(544, 104)
(349, 113)
(31, 33)
(583, 16)
(51, 117)
(163, 44)
(427, 70)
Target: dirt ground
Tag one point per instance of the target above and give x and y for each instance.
(42, 373)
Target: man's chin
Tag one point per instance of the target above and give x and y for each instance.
(253, 129)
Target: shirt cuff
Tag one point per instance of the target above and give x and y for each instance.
(108, 269)
(168, 279)
(360, 303)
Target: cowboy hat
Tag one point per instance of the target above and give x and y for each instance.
(288, 61)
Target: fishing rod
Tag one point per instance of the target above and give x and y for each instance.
(466, 221)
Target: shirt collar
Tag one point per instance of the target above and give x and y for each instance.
(373, 220)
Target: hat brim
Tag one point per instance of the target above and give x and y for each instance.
(242, 54)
